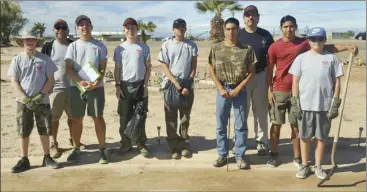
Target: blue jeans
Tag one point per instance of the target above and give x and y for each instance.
(223, 109)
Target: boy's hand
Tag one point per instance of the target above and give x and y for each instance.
(353, 49)
(25, 100)
(334, 109)
(296, 108)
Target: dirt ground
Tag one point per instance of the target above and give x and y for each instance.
(159, 173)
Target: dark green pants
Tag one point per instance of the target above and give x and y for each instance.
(126, 106)
(174, 141)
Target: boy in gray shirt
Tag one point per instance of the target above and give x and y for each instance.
(87, 49)
(132, 73)
(179, 59)
(315, 97)
(32, 77)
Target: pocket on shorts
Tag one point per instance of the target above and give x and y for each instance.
(281, 100)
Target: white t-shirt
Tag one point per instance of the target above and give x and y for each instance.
(178, 56)
(80, 52)
(132, 60)
(318, 73)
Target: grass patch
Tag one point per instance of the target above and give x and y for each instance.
(5, 62)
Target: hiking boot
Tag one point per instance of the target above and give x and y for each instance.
(320, 172)
(55, 151)
(242, 164)
(74, 156)
(220, 162)
(124, 148)
(297, 162)
(261, 148)
(303, 172)
(49, 162)
(175, 155)
(22, 165)
(143, 150)
(272, 162)
(186, 153)
(105, 156)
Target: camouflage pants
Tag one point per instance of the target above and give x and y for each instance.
(25, 120)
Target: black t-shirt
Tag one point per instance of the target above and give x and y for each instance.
(260, 42)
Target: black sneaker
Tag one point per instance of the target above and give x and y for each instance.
(272, 162)
(49, 162)
(261, 148)
(22, 165)
(220, 162)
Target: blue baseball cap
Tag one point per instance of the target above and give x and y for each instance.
(179, 22)
(316, 32)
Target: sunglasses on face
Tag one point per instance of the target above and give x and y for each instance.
(61, 27)
(317, 39)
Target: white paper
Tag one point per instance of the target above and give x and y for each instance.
(87, 73)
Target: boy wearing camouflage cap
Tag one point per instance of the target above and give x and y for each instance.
(315, 90)
(32, 77)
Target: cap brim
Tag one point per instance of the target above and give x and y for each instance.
(19, 41)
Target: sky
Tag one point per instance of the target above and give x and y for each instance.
(108, 16)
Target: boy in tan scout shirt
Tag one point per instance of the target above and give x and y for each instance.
(32, 77)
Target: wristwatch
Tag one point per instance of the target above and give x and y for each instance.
(117, 85)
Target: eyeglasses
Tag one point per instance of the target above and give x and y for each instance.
(61, 27)
(317, 39)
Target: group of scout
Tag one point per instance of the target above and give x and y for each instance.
(306, 86)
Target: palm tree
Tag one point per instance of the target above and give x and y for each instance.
(143, 27)
(217, 7)
(39, 28)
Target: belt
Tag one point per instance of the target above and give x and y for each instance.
(133, 84)
(229, 85)
(260, 70)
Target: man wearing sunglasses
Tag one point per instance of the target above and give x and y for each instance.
(56, 50)
(260, 40)
(82, 51)
(178, 57)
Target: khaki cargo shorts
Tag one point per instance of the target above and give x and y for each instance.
(25, 120)
(282, 105)
(60, 102)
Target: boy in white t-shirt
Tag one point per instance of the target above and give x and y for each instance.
(315, 91)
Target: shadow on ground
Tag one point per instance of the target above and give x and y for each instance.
(347, 152)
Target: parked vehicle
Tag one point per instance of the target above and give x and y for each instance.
(361, 36)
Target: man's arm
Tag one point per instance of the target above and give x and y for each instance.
(336, 48)
(337, 88)
(194, 62)
(214, 78)
(148, 70)
(70, 71)
(102, 70)
(170, 76)
(49, 84)
(295, 86)
(18, 89)
(117, 73)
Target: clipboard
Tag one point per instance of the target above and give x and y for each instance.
(88, 72)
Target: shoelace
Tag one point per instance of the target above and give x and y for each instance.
(20, 162)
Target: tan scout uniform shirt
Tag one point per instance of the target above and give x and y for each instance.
(232, 64)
